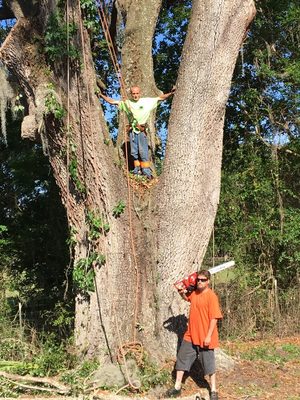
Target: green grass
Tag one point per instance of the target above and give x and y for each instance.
(274, 354)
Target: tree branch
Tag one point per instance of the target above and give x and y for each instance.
(16, 379)
(273, 146)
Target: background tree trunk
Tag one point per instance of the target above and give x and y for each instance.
(161, 232)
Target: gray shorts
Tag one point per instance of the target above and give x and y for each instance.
(188, 354)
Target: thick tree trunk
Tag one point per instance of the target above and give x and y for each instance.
(190, 185)
(80, 138)
(163, 230)
(189, 188)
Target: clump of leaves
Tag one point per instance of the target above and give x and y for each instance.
(90, 15)
(84, 274)
(152, 375)
(76, 378)
(53, 359)
(97, 225)
(71, 241)
(13, 349)
(18, 108)
(62, 318)
(138, 178)
(57, 39)
(8, 389)
(119, 209)
(73, 169)
(42, 357)
(52, 104)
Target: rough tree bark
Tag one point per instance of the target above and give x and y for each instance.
(190, 185)
(164, 230)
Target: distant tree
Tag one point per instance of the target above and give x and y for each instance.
(259, 209)
(34, 252)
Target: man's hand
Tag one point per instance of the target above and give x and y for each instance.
(182, 293)
(207, 341)
(212, 325)
(164, 96)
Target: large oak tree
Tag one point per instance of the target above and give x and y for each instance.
(164, 229)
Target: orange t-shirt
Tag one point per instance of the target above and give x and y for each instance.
(204, 308)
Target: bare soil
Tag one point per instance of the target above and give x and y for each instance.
(256, 379)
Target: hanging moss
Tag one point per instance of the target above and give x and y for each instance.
(6, 95)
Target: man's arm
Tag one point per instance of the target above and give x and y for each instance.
(183, 295)
(164, 96)
(212, 325)
(108, 99)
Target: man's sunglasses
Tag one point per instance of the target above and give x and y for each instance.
(202, 279)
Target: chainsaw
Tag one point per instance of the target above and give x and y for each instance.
(189, 282)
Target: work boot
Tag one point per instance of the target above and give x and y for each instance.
(147, 173)
(173, 392)
(137, 171)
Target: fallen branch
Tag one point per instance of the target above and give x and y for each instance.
(17, 379)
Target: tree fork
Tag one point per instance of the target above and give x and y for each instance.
(137, 63)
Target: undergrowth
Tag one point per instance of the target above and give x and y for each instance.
(24, 352)
(77, 377)
(272, 352)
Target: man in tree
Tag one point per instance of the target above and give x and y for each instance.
(201, 337)
(138, 110)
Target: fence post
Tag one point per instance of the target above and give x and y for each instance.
(20, 319)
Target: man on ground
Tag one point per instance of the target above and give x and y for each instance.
(201, 337)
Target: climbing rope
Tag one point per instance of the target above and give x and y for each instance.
(68, 111)
(213, 246)
(117, 69)
(121, 346)
(123, 92)
(68, 145)
(111, 49)
(135, 349)
(68, 115)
